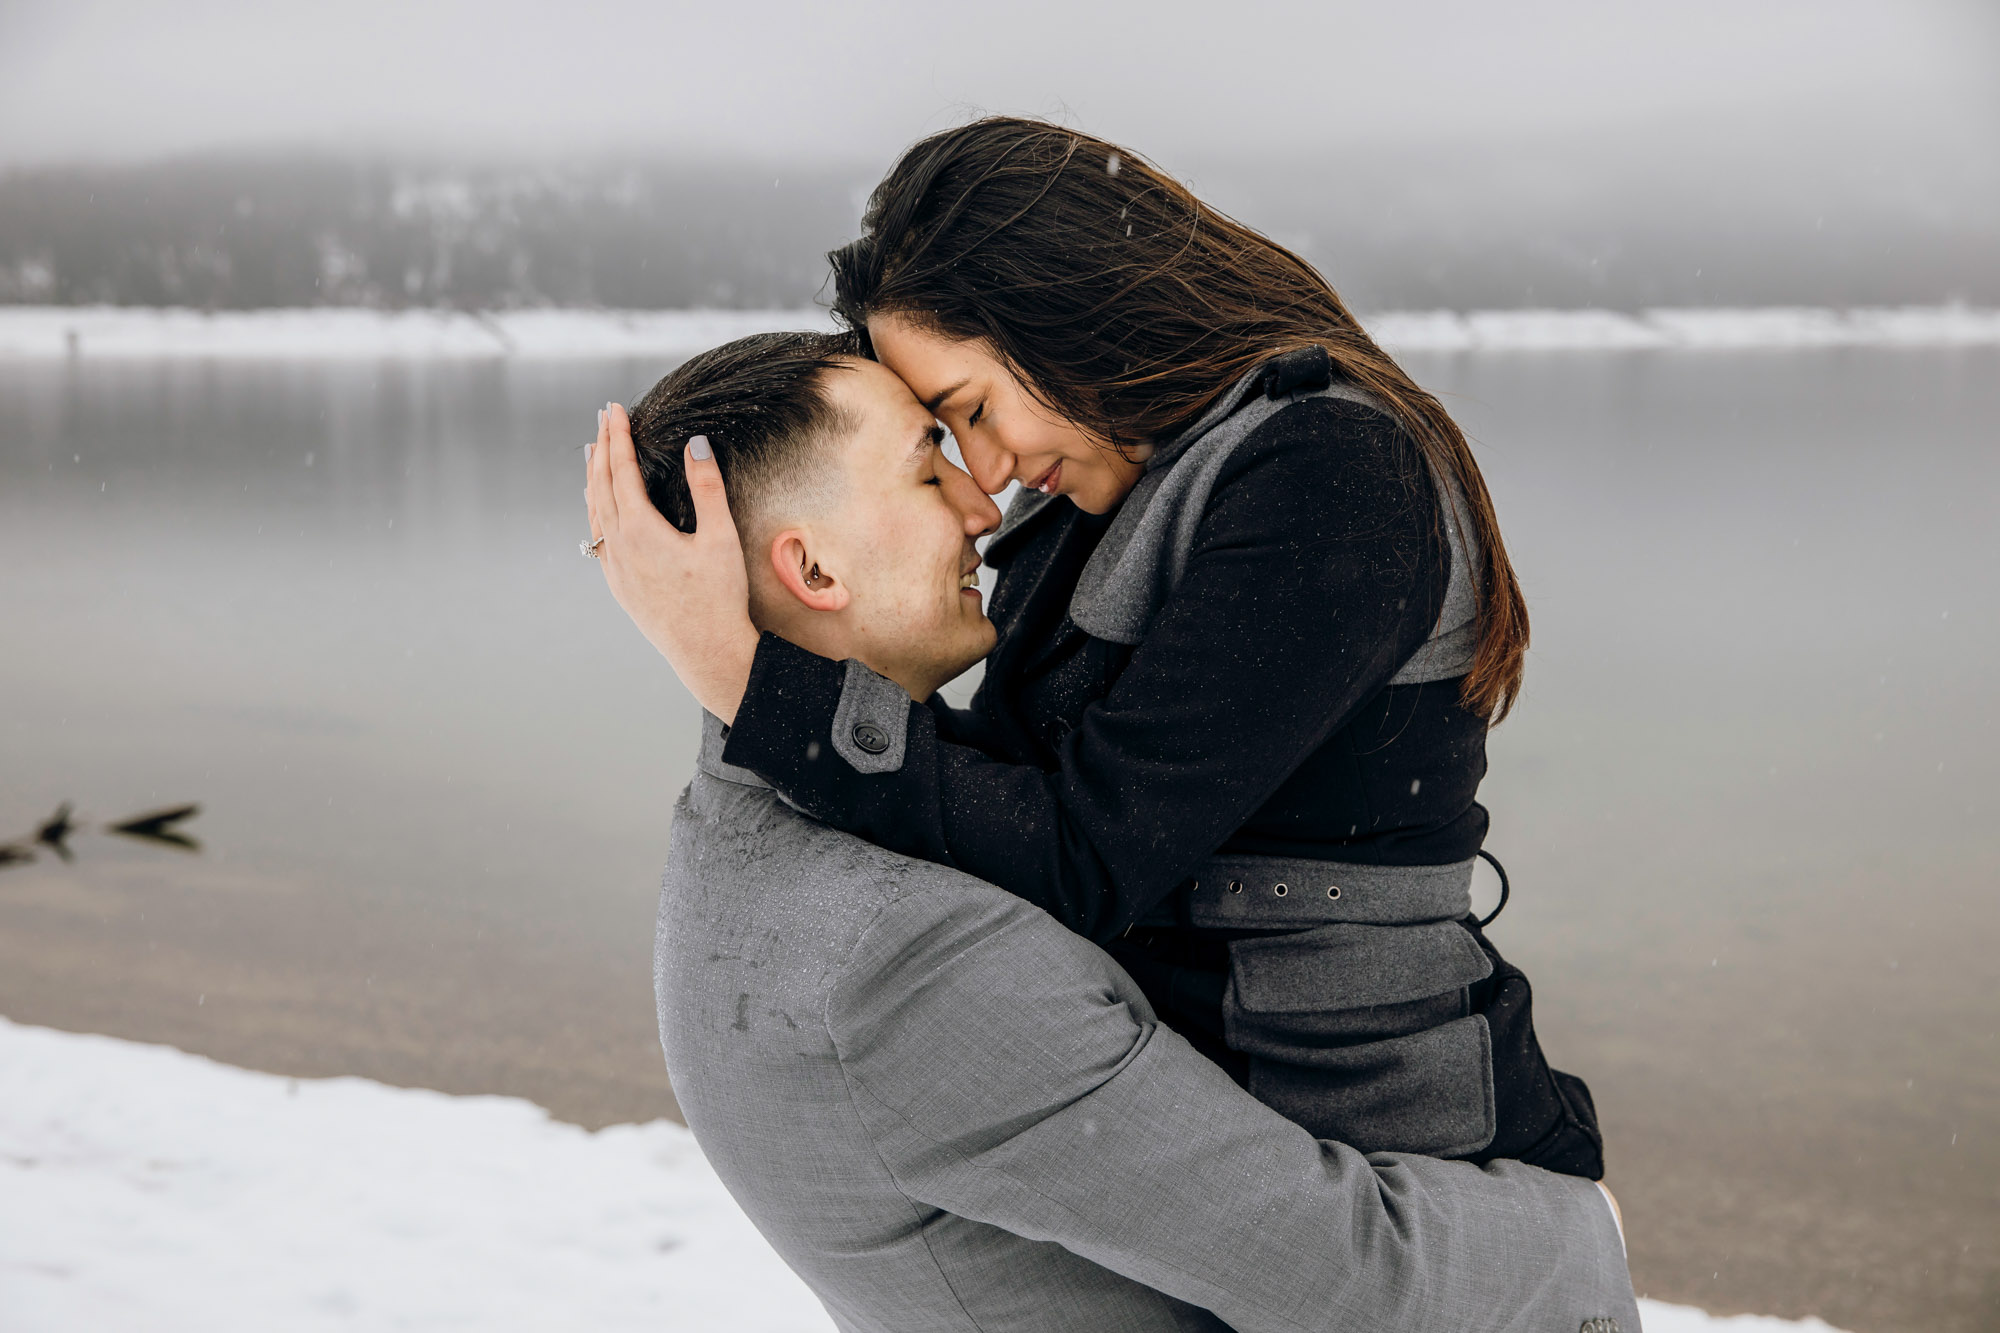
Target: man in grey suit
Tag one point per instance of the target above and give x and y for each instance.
(945, 1111)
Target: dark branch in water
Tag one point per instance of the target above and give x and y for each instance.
(54, 835)
(156, 826)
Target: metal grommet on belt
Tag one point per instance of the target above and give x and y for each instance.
(871, 737)
(1236, 886)
(1282, 889)
(1333, 890)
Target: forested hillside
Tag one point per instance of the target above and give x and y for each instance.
(1456, 230)
(234, 233)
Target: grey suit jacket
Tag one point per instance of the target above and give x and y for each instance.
(947, 1112)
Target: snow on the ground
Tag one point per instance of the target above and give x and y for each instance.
(1660, 1317)
(143, 1188)
(45, 332)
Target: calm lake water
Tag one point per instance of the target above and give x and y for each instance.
(1747, 803)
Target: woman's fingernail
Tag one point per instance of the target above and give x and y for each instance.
(588, 445)
(698, 446)
(600, 418)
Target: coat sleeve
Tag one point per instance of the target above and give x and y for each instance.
(1010, 1073)
(1316, 571)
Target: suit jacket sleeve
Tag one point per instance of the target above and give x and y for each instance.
(1011, 1073)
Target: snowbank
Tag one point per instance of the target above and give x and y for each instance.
(57, 332)
(142, 1187)
(1704, 330)
(41, 332)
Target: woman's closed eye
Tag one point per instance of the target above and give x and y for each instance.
(973, 420)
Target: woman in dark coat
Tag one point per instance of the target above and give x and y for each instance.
(1255, 618)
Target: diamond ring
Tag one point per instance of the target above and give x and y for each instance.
(590, 548)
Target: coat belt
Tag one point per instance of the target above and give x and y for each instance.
(1287, 893)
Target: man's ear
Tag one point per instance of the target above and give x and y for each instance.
(800, 575)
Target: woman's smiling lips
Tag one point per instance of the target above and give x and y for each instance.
(1048, 481)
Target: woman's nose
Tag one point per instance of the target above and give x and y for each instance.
(990, 466)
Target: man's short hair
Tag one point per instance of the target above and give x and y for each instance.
(762, 403)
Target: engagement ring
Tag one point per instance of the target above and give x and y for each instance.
(590, 548)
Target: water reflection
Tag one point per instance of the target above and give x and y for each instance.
(1744, 803)
(344, 604)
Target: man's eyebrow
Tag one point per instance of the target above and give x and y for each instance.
(937, 401)
(928, 439)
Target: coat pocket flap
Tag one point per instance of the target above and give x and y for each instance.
(1430, 1092)
(1352, 966)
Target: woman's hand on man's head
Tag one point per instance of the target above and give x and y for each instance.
(687, 592)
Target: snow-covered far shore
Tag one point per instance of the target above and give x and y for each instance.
(335, 333)
(61, 332)
(145, 1188)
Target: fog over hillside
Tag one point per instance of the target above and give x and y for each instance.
(1460, 230)
(633, 154)
(249, 232)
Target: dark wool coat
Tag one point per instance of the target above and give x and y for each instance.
(1256, 715)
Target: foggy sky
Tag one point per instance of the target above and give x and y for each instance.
(136, 79)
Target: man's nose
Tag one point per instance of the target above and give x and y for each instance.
(985, 516)
(990, 466)
(981, 514)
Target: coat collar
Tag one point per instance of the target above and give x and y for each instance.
(1303, 368)
(1291, 372)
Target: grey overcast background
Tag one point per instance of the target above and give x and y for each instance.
(1907, 81)
(1439, 153)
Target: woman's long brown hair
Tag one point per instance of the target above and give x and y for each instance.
(1129, 306)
